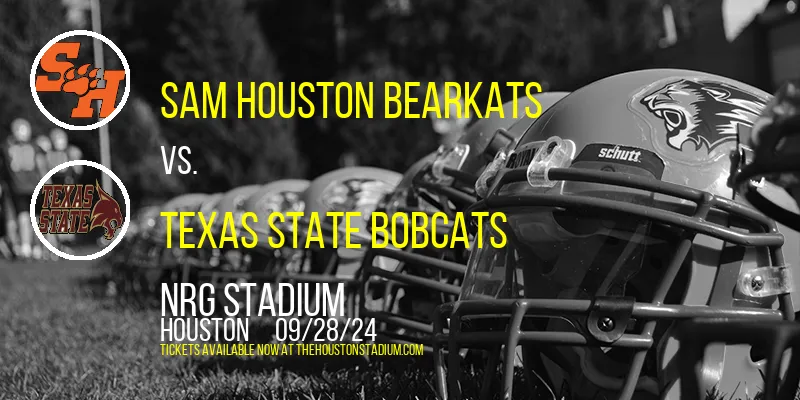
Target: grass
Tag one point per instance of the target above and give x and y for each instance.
(59, 341)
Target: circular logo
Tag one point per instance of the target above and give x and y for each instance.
(93, 204)
(81, 80)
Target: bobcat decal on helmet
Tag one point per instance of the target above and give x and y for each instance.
(355, 194)
(704, 112)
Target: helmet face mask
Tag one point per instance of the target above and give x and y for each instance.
(283, 200)
(569, 254)
(444, 182)
(349, 189)
(615, 228)
(225, 263)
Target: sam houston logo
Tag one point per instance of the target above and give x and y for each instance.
(79, 209)
(81, 83)
(80, 80)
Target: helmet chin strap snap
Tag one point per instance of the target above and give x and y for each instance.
(483, 184)
(555, 153)
(766, 281)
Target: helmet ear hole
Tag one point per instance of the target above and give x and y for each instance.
(656, 262)
(758, 353)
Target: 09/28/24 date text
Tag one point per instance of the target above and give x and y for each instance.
(324, 330)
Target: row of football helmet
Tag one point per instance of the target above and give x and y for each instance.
(643, 258)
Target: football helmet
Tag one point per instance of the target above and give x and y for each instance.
(762, 166)
(403, 299)
(349, 189)
(229, 210)
(260, 264)
(155, 262)
(618, 221)
(140, 263)
(141, 226)
(281, 196)
(776, 154)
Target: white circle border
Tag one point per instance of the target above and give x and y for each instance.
(102, 121)
(117, 239)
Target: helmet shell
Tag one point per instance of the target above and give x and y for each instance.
(479, 136)
(350, 189)
(232, 202)
(657, 111)
(668, 125)
(210, 204)
(483, 141)
(281, 196)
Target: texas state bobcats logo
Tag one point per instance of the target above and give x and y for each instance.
(704, 113)
(79, 209)
(106, 214)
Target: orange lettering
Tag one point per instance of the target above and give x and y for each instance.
(52, 65)
(107, 95)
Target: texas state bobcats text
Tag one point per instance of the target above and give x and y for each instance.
(306, 230)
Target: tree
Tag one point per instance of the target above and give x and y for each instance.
(302, 34)
(392, 143)
(25, 27)
(136, 154)
(549, 41)
(218, 42)
(222, 42)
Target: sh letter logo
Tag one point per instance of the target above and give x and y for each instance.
(81, 83)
